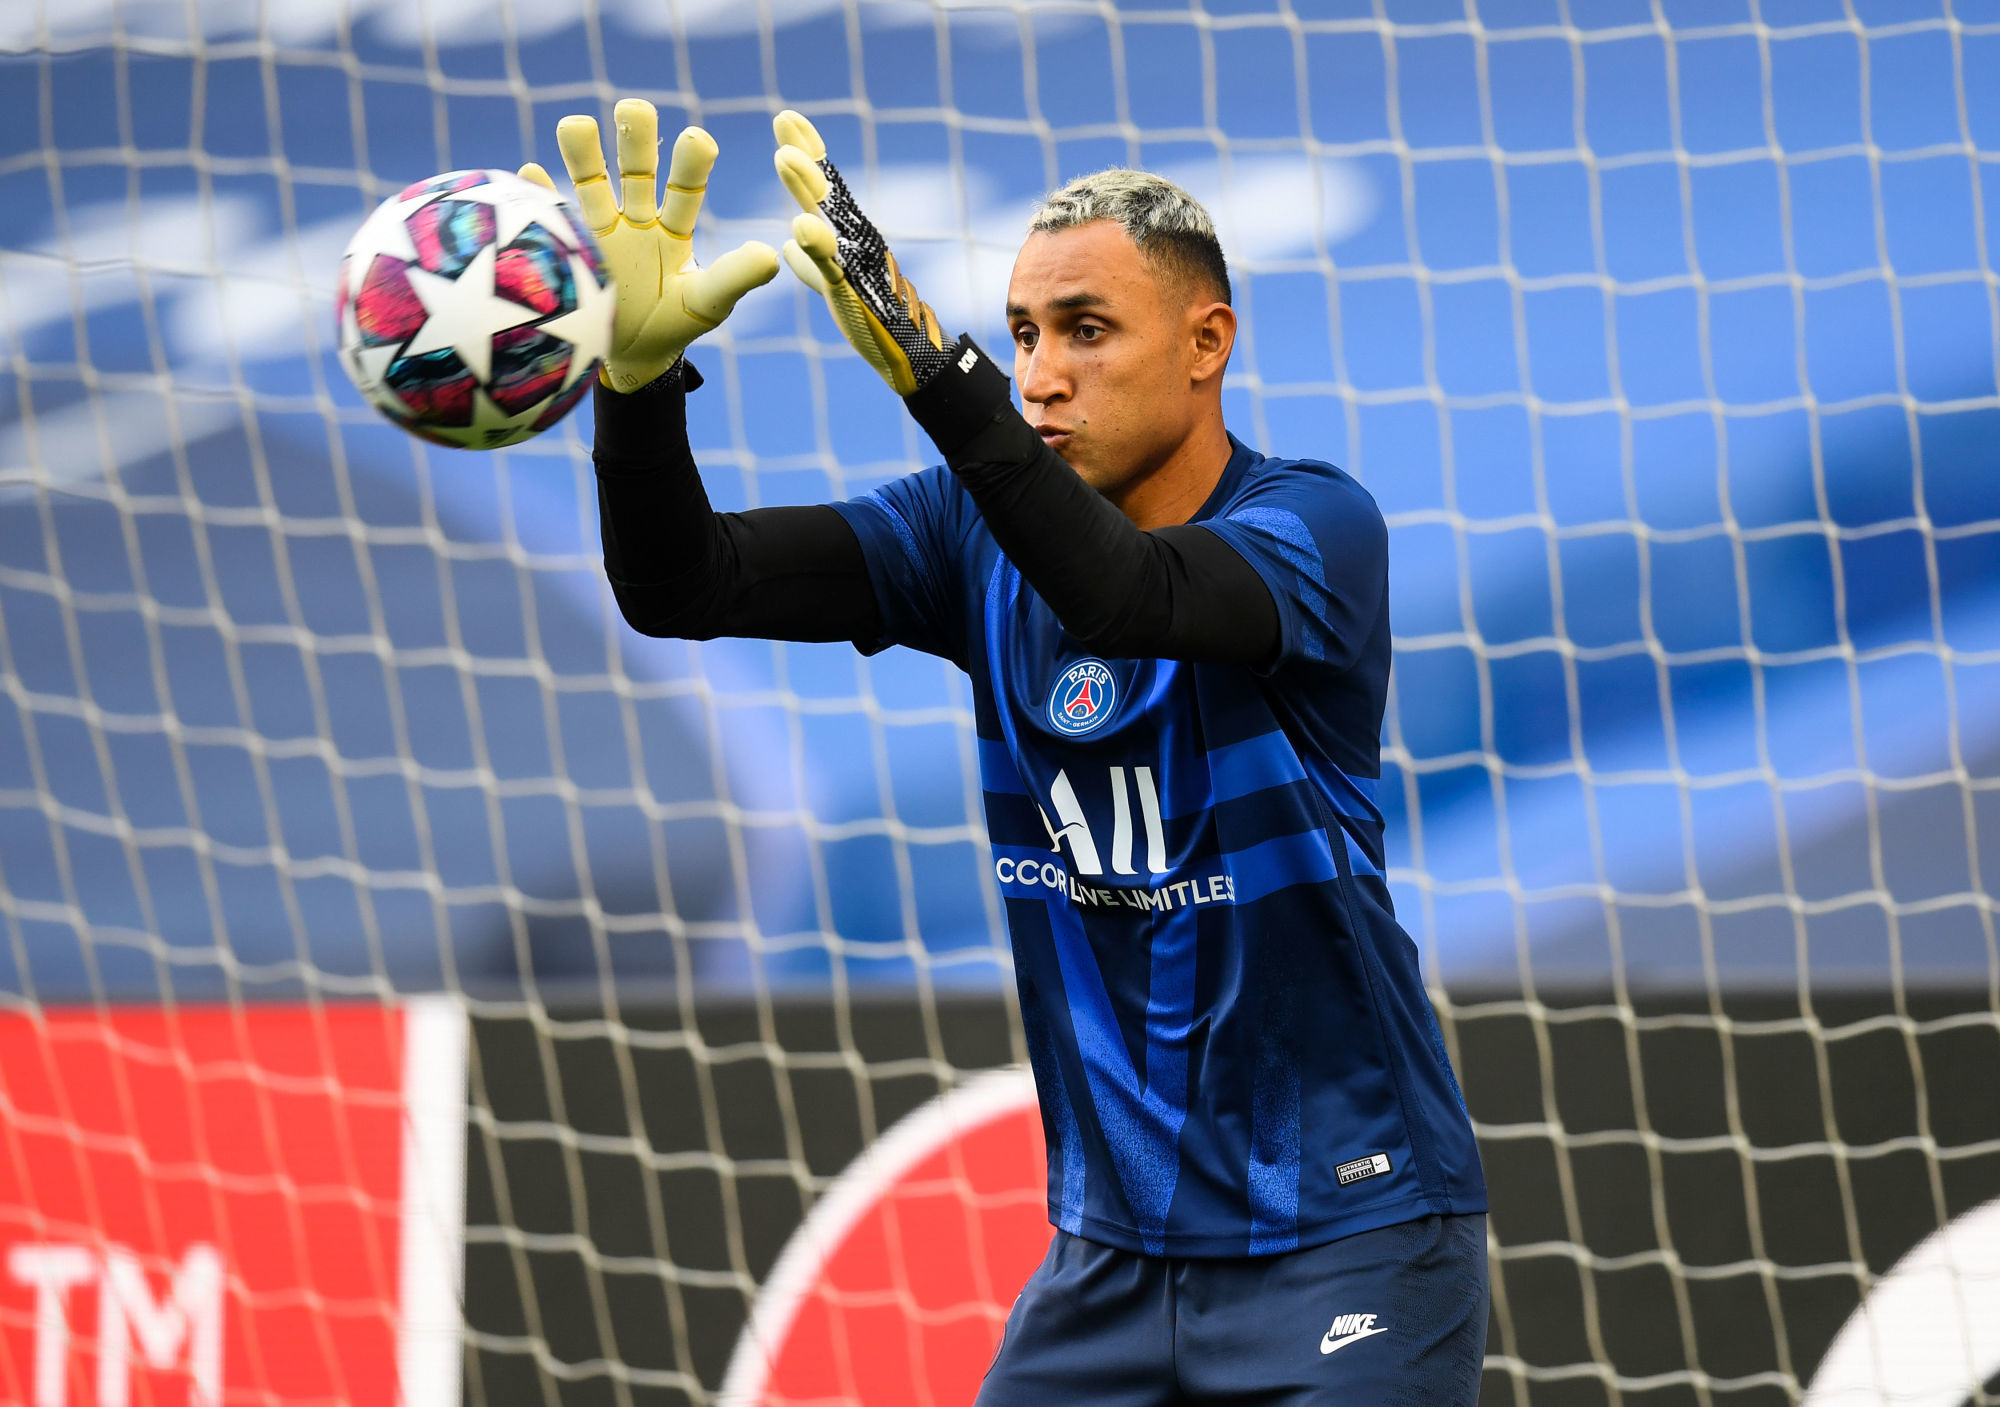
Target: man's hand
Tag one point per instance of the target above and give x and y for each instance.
(664, 300)
(837, 251)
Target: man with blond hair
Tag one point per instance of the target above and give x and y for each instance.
(1261, 1173)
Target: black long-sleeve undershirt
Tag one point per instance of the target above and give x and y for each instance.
(680, 569)
(1170, 593)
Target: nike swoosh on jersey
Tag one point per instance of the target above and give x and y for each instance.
(1328, 1343)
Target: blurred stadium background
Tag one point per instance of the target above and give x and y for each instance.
(1664, 333)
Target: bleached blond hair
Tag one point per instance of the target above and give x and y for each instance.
(1168, 225)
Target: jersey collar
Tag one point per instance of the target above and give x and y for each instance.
(1241, 457)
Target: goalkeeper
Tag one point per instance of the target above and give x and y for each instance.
(1262, 1177)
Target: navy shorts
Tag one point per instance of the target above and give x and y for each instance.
(1388, 1318)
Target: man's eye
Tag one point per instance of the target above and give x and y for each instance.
(1090, 332)
(1025, 336)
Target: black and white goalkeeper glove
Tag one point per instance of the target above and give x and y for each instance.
(951, 387)
(837, 251)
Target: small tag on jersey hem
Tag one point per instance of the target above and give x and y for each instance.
(1357, 1169)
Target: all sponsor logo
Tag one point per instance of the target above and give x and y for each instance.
(1083, 698)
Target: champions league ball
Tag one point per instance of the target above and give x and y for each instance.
(473, 309)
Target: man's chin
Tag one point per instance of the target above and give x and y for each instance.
(1079, 455)
(1079, 458)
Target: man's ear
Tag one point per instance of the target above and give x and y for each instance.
(1214, 332)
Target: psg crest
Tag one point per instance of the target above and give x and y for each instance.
(1083, 697)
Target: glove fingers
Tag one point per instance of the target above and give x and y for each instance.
(533, 172)
(638, 158)
(711, 292)
(793, 130)
(802, 177)
(583, 157)
(851, 297)
(814, 254)
(687, 181)
(821, 245)
(808, 272)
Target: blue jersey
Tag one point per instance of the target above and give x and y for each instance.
(1233, 1047)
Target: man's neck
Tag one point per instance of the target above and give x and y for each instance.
(1175, 491)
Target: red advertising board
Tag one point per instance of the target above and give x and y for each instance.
(219, 1205)
(895, 1290)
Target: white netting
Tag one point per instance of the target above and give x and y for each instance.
(1664, 333)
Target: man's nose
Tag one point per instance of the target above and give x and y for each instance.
(1044, 377)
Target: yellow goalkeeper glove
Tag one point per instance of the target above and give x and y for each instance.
(664, 300)
(837, 251)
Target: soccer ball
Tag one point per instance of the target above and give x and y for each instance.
(473, 309)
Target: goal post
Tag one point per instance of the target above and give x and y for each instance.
(1665, 335)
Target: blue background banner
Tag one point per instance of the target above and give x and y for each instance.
(1665, 336)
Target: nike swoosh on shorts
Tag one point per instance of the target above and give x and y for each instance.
(1328, 1343)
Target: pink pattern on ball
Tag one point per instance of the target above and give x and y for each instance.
(449, 234)
(387, 310)
(528, 365)
(561, 405)
(534, 272)
(446, 184)
(435, 387)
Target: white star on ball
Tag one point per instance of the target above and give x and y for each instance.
(464, 313)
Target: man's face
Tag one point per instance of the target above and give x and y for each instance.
(1106, 353)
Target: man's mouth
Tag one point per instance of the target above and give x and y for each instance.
(1052, 434)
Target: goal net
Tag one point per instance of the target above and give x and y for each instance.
(413, 982)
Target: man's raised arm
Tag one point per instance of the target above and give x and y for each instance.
(679, 568)
(676, 566)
